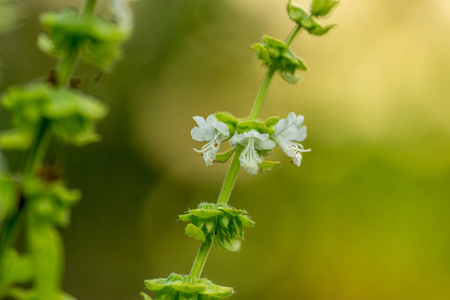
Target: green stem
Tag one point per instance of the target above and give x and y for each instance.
(230, 178)
(38, 150)
(293, 35)
(202, 256)
(259, 101)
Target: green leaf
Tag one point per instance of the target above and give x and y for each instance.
(195, 232)
(145, 296)
(268, 165)
(322, 8)
(224, 157)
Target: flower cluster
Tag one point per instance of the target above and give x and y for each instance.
(256, 137)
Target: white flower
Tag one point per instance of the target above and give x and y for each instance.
(211, 131)
(253, 140)
(288, 132)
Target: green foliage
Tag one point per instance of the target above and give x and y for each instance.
(276, 54)
(188, 287)
(224, 222)
(71, 113)
(307, 21)
(97, 41)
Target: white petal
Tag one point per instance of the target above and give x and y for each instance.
(211, 120)
(223, 129)
(295, 134)
(264, 144)
(204, 133)
(200, 120)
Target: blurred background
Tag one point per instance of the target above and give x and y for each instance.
(366, 216)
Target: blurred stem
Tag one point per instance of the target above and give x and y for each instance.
(38, 150)
(88, 9)
(230, 178)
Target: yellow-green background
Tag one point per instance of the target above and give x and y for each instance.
(365, 217)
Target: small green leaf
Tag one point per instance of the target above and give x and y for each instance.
(268, 165)
(195, 232)
(296, 13)
(224, 157)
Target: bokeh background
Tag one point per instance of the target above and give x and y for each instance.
(365, 217)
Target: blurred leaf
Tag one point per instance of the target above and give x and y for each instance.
(98, 41)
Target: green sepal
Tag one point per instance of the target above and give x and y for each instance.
(215, 291)
(297, 14)
(145, 296)
(246, 126)
(160, 283)
(97, 40)
(322, 8)
(15, 139)
(270, 124)
(185, 217)
(276, 54)
(268, 165)
(225, 222)
(189, 284)
(225, 156)
(228, 119)
(72, 114)
(50, 202)
(195, 232)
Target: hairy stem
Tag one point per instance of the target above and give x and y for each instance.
(202, 255)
